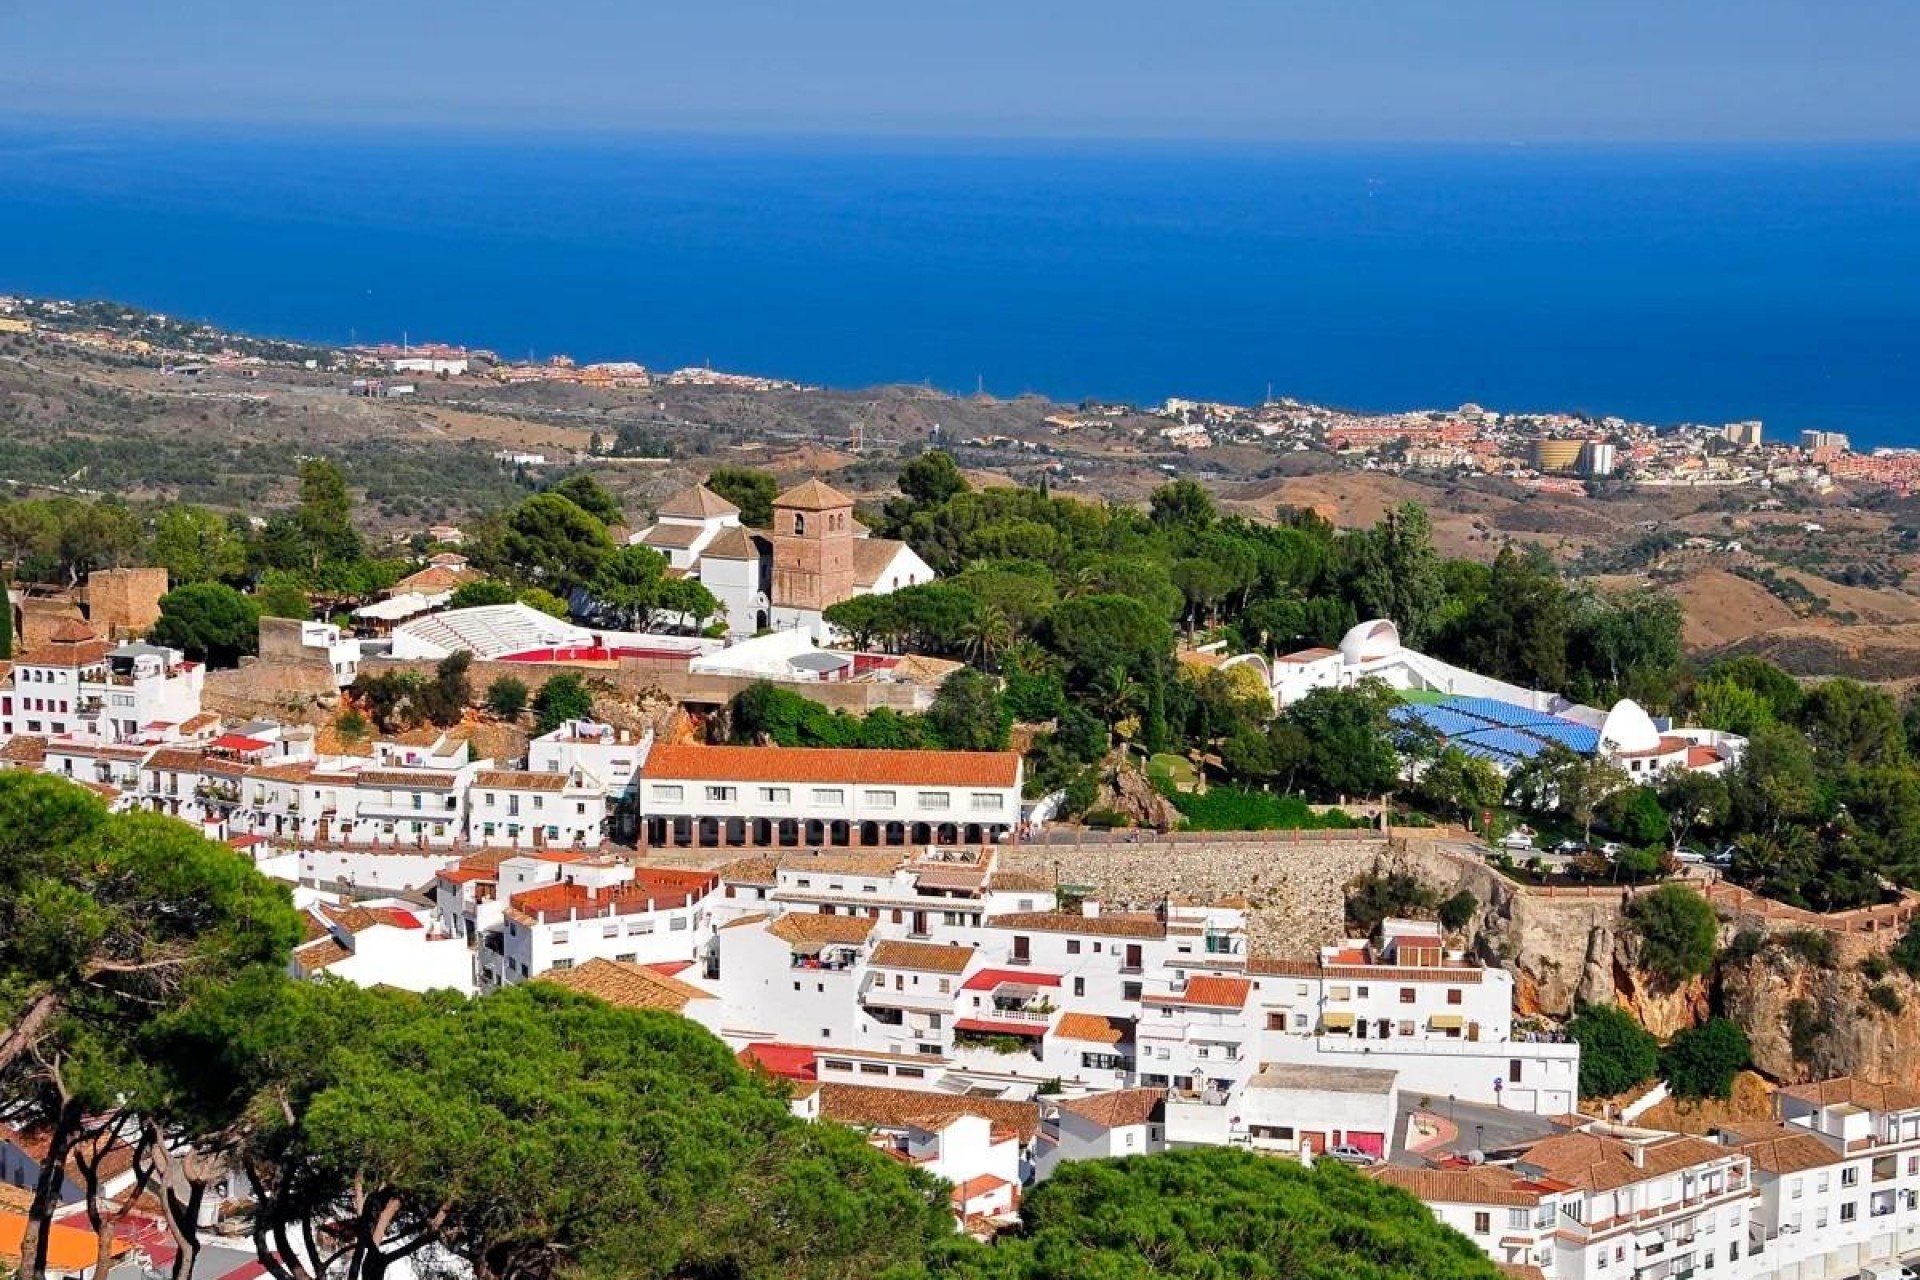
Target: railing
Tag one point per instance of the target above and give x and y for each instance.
(1017, 1015)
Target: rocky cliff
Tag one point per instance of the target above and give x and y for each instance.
(1809, 1007)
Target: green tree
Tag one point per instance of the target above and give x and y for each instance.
(1693, 801)
(1635, 815)
(586, 493)
(1775, 785)
(1218, 1213)
(1616, 1052)
(1393, 572)
(1349, 739)
(282, 600)
(1182, 504)
(484, 591)
(546, 602)
(196, 545)
(1457, 785)
(632, 583)
(109, 921)
(1701, 1062)
(507, 697)
(1518, 629)
(966, 714)
(562, 698)
(1677, 931)
(1457, 911)
(553, 543)
(208, 621)
(750, 490)
(325, 514)
(932, 479)
(1851, 723)
(1726, 704)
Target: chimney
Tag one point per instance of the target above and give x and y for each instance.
(1639, 1152)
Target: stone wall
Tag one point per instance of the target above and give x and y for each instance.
(125, 602)
(1295, 888)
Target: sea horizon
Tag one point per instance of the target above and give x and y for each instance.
(1656, 281)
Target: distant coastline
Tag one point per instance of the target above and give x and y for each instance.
(1660, 284)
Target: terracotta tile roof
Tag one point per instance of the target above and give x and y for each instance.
(808, 931)
(663, 890)
(758, 917)
(1861, 1093)
(1593, 1162)
(871, 556)
(354, 919)
(813, 494)
(694, 762)
(205, 720)
(760, 871)
(674, 537)
(1779, 1148)
(788, 1061)
(871, 1107)
(1520, 1271)
(1480, 1184)
(1093, 1028)
(176, 759)
(731, 544)
(628, 986)
(697, 503)
(298, 772)
(845, 864)
(1701, 757)
(974, 1188)
(1106, 924)
(421, 780)
(927, 957)
(315, 956)
(435, 580)
(1120, 1107)
(520, 780)
(1293, 967)
(1019, 882)
(1210, 992)
(23, 750)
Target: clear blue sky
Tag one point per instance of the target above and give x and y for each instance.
(1289, 69)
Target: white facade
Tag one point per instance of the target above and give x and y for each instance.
(82, 687)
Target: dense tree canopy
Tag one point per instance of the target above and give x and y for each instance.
(209, 622)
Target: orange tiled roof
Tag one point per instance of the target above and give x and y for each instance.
(1211, 992)
(521, 780)
(23, 750)
(1120, 1107)
(694, 762)
(1861, 1093)
(627, 986)
(928, 957)
(1593, 1162)
(813, 494)
(810, 930)
(1107, 924)
(1094, 1028)
(1779, 1148)
(422, 780)
(1482, 1184)
(870, 1106)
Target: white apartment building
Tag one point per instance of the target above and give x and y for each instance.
(791, 796)
(524, 809)
(1640, 1204)
(581, 909)
(79, 686)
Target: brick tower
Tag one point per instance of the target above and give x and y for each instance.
(812, 547)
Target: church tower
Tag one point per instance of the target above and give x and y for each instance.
(812, 547)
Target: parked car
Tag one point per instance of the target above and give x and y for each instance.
(1351, 1155)
(1722, 857)
(1611, 849)
(1521, 839)
(1573, 848)
(1692, 857)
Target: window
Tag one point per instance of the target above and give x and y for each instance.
(988, 802)
(560, 937)
(776, 795)
(799, 523)
(635, 928)
(829, 795)
(1453, 995)
(1850, 1176)
(627, 957)
(935, 799)
(1339, 993)
(1482, 1223)
(1406, 995)
(881, 799)
(1406, 1026)
(1513, 1071)
(1517, 1219)
(1129, 991)
(1848, 1210)
(1079, 986)
(1073, 946)
(724, 795)
(610, 930)
(563, 964)
(677, 924)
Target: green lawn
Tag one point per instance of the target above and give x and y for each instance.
(1178, 771)
(1423, 697)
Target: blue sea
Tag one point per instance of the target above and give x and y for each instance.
(1659, 283)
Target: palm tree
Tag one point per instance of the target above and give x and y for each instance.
(986, 634)
(1118, 697)
(1025, 656)
(1084, 581)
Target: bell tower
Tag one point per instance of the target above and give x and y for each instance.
(812, 547)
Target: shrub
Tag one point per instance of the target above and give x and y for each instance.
(507, 697)
(1701, 1061)
(1106, 818)
(1456, 911)
(1746, 944)
(1235, 809)
(1677, 930)
(563, 698)
(1616, 1052)
(1906, 952)
(1815, 946)
(1875, 967)
(1886, 998)
(1805, 1026)
(1378, 894)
